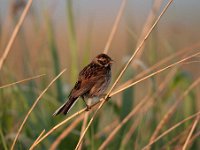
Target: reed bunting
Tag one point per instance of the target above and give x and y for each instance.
(92, 82)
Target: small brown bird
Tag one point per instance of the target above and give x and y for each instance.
(92, 82)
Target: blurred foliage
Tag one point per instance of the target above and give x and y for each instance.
(72, 40)
(55, 57)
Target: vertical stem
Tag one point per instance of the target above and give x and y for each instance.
(72, 40)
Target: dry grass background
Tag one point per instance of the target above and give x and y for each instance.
(154, 96)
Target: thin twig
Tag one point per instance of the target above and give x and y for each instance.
(114, 28)
(84, 126)
(138, 48)
(149, 21)
(60, 124)
(14, 34)
(23, 80)
(33, 106)
(38, 137)
(127, 118)
(92, 118)
(160, 63)
(172, 110)
(157, 72)
(127, 137)
(170, 129)
(85, 122)
(194, 137)
(176, 139)
(66, 132)
(107, 129)
(190, 134)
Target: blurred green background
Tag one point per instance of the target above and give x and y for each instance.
(68, 34)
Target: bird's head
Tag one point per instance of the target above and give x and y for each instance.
(103, 60)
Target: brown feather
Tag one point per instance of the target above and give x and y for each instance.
(93, 80)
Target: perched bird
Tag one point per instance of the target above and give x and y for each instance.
(92, 82)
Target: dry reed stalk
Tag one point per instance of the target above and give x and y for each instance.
(160, 89)
(38, 137)
(170, 129)
(127, 118)
(60, 124)
(20, 81)
(104, 131)
(124, 121)
(112, 94)
(179, 143)
(169, 76)
(112, 134)
(151, 17)
(191, 131)
(138, 48)
(86, 115)
(91, 120)
(176, 138)
(154, 73)
(160, 63)
(123, 70)
(127, 137)
(33, 106)
(66, 132)
(14, 34)
(193, 138)
(172, 110)
(198, 97)
(191, 62)
(115, 26)
(108, 128)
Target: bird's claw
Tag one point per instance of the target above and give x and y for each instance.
(88, 108)
(108, 98)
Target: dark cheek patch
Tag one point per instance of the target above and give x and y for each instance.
(103, 62)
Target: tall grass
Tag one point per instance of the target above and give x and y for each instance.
(55, 57)
(72, 40)
(142, 113)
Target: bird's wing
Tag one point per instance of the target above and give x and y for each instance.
(87, 79)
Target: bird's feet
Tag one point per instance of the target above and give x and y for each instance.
(104, 95)
(88, 107)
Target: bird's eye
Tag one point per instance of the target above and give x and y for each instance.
(101, 61)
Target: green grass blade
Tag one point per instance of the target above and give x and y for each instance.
(55, 58)
(2, 141)
(72, 40)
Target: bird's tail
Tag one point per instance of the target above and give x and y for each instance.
(64, 109)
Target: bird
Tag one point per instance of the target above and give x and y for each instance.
(93, 80)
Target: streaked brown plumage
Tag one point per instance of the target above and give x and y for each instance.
(93, 80)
